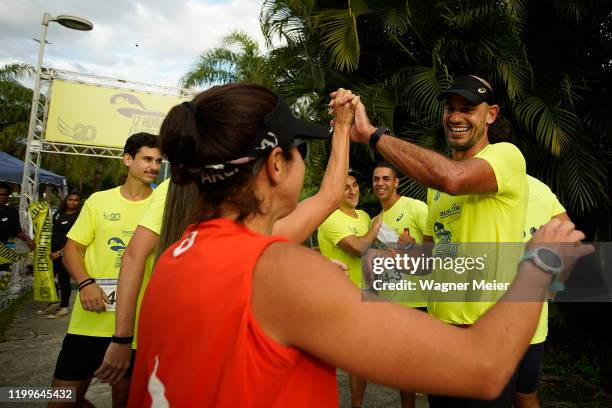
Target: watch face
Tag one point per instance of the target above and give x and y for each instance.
(550, 258)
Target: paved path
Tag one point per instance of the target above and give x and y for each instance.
(28, 357)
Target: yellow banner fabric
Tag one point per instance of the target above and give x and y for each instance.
(44, 285)
(8, 255)
(101, 116)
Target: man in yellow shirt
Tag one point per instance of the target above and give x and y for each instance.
(343, 236)
(93, 255)
(403, 217)
(407, 218)
(542, 206)
(479, 195)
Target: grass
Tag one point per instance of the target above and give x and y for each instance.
(8, 315)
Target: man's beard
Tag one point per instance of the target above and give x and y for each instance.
(468, 145)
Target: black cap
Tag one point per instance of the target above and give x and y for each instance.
(287, 127)
(354, 173)
(281, 128)
(472, 89)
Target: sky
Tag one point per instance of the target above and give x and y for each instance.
(151, 41)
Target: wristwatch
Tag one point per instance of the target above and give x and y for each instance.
(549, 261)
(374, 137)
(545, 259)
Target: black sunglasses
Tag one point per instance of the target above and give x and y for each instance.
(303, 148)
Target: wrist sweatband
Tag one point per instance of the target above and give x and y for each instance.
(122, 340)
(86, 282)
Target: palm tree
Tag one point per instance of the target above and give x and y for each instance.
(239, 59)
(399, 55)
(15, 102)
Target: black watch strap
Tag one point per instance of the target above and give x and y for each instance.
(375, 137)
(122, 340)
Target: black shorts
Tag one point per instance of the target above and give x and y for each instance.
(530, 369)
(81, 356)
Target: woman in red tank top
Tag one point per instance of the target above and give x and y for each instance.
(234, 317)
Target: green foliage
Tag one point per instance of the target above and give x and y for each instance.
(554, 128)
(548, 61)
(239, 59)
(15, 102)
(339, 35)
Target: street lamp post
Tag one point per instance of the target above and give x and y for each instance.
(29, 181)
(31, 169)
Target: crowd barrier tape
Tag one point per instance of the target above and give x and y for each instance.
(44, 284)
(9, 255)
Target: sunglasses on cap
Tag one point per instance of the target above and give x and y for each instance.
(303, 148)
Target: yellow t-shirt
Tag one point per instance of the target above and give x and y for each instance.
(543, 205)
(412, 214)
(407, 213)
(336, 227)
(152, 220)
(105, 226)
(154, 214)
(482, 218)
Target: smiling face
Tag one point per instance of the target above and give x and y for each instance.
(350, 198)
(384, 183)
(145, 165)
(465, 124)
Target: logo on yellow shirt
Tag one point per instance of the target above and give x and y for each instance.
(112, 216)
(117, 245)
(400, 217)
(444, 247)
(454, 209)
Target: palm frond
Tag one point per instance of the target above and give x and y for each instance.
(517, 10)
(16, 71)
(572, 10)
(421, 88)
(286, 20)
(238, 60)
(598, 127)
(395, 22)
(466, 17)
(584, 180)
(214, 66)
(244, 42)
(553, 127)
(513, 68)
(339, 35)
(380, 102)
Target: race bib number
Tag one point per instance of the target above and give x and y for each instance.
(109, 286)
(391, 276)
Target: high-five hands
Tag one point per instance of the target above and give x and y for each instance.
(362, 128)
(342, 107)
